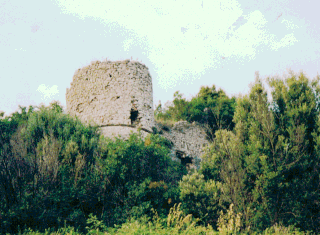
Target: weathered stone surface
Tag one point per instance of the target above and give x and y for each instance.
(118, 97)
(189, 140)
(108, 92)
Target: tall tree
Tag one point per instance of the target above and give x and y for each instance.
(213, 109)
(275, 151)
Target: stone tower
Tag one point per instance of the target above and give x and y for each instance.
(117, 96)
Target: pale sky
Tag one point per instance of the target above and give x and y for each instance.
(185, 44)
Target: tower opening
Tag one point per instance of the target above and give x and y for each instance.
(185, 160)
(134, 117)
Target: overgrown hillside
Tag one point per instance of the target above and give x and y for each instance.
(261, 169)
(55, 170)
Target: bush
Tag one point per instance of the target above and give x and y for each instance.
(59, 170)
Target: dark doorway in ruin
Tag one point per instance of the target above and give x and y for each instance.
(185, 160)
(134, 117)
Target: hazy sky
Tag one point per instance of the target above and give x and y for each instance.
(185, 44)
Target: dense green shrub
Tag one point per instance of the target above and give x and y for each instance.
(269, 165)
(176, 222)
(201, 198)
(142, 173)
(56, 170)
(47, 155)
(213, 109)
(260, 170)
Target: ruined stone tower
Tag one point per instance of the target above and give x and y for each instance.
(117, 96)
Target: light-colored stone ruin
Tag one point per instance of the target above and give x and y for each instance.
(189, 141)
(114, 95)
(118, 97)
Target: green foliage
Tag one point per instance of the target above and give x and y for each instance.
(56, 170)
(201, 198)
(213, 109)
(229, 223)
(223, 163)
(175, 223)
(261, 169)
(95, 225)
(36, 180)
(176, 112)
(269, 164)
(140, 175)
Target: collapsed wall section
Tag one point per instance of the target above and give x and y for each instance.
(189, 141)
(112, 94)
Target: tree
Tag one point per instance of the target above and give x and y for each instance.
(270, 162)
(213, 109)
(201, 198)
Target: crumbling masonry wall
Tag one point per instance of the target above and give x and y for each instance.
(189, 141)
(114, 95)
